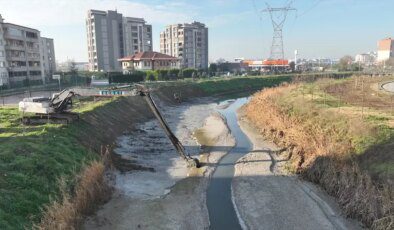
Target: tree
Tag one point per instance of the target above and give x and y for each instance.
(73, 68)
(345, 63)
(292, 66)
(213, 68)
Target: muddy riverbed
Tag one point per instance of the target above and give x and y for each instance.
(170, 196)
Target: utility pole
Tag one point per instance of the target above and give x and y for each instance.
(278, 18)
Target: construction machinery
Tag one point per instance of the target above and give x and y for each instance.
(191, 162)
(49, 110)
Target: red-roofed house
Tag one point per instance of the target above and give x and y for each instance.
(149, 61)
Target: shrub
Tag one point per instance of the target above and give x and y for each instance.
(151, 75)
(136, 76)
(189, 73)
(162, 74)
(173, 74)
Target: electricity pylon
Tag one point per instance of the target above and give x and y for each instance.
(278, 18)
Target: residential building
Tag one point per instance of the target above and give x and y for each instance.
(112, 36)
(148, 61)
(48, 57)
(138, 36)
(189, 42)
(21, 55)
(3, 60)
(385, 49)
(365, 58)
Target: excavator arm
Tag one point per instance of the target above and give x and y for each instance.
(143, 92)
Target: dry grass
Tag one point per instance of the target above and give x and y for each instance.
(324, 145)
(90, 191)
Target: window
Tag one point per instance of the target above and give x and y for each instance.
(31, 34)
(1, 53)
(14, 32)
(18, 74)
(2, 64)
(35, 73)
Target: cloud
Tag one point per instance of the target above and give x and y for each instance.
(64, 20)
(36, 13)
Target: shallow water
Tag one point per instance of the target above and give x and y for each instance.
(222, 214)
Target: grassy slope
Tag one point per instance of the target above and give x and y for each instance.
(32, 159)
(364, 128)
(334, 144)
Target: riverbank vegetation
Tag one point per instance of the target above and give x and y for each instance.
(340, 134)
(33, 161)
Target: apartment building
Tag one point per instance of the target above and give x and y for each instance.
(3, 59)
(21, 55)
(112, 36)
(385, 49)
(48, 56)
(189, 42)
(366, 58)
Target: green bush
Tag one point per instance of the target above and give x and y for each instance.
(136, 76)
(189, 73)
(162, 74)
(173, 74)
(151, 75)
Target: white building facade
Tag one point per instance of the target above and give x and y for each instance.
(3, 60)
(112, 36)
(48, 57)
(188, 42)
(22, 57)
(366, 58)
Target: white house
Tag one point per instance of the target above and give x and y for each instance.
(149, 61)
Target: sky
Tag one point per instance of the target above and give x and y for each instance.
(237, 28)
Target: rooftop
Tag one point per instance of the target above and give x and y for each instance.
(148, 56)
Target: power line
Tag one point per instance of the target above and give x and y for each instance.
(314, 5)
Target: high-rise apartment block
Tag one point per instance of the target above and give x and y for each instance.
(385, 49)
(48, 56)
(189, 42)
(21, 55)
(112, 36)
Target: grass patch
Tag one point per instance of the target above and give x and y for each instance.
(32, 159)
(244, 83)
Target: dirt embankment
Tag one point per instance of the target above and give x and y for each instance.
(322, 152)
(267, 195)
